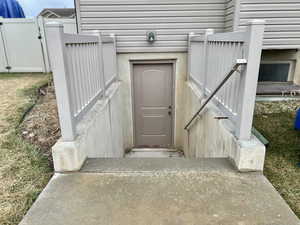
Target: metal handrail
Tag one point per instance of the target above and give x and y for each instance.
(238, 63)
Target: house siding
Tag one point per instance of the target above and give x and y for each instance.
(172, 20)
(282, 21)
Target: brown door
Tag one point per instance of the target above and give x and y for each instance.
(152, 86)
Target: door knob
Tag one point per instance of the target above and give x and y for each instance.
(170, 107)
(170, 113)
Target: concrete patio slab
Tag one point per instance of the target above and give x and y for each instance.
(161, 196)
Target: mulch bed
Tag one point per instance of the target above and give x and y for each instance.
(41, 125)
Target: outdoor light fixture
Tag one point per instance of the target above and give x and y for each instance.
(151, 36)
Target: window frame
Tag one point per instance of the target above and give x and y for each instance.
(291, 72)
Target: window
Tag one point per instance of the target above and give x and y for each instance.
(276, 71)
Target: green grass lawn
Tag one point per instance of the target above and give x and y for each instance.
(24, 171)
(283, 154)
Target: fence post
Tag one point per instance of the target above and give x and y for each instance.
(249, 77)
(205, 58)
(115, 56)
(61, 80)
(45, 51)
(101, 61)
(189, 61)
(4, 43)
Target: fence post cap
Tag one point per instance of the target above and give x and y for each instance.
(257, 22)
(54, 24)
(209, 31)
(191, 34)
(95, 32)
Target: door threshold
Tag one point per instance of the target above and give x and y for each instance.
(154, 153)
(154, 150)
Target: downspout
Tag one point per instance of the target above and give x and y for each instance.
(77, 17)
(236, 15)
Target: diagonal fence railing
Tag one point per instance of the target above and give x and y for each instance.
(211, 56)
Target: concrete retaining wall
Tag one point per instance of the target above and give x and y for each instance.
(209, 137)
(107, 129)
(100, 134)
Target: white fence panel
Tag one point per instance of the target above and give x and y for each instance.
(222, 52)
(85, 70)
(23, 46)
(212, 56)
(79, 73)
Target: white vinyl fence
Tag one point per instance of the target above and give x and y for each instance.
(212, 56)
(81, 73)
(23, 46)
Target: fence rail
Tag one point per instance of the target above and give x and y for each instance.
(211, 56)
(83, 67)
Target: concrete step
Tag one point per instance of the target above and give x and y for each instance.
(156, 165)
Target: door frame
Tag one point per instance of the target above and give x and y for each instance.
(171, 62)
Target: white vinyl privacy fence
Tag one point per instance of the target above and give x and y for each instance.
(81, 73)
(23, 46)
(212, 56)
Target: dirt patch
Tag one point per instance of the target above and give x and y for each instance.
(41, 125)
(11, 98)
(276, 107)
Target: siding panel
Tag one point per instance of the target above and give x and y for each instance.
(172, 20)
(151, 14)
(130, 8)
(150, 26)
(282, 21)
(147, 20)
(148, 2)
